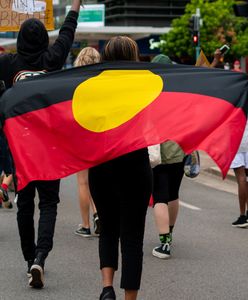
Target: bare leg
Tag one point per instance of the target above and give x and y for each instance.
(7, 179)
(242, 189)
(4, 197)
(131, 294)
(107, 276)
(92, 205)
(246, 172)
(161, 215)
(173, 211)
(84, 197)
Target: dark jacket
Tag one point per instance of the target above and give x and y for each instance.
(33, 52)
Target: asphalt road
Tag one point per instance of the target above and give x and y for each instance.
(209, 257)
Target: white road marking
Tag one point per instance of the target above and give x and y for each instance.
(184, 204)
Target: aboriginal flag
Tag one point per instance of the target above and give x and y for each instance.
(59, 123)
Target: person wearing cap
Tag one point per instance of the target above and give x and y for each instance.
(35, 56)
(167, 178)
(162, 59)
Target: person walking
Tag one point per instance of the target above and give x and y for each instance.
(86, 56)
(85, 202)
(240, 167)
(167, 177)
(121, 190)
(35, 56)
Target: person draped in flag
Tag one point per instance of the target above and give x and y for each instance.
(121, 190)
(34, 56)
(86, 56)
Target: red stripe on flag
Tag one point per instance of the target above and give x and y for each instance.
(48, 144)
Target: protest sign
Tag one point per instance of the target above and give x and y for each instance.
(14, 12)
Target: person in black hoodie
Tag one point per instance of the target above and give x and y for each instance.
(34, 56)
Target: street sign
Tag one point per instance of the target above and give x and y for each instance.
(91, 15)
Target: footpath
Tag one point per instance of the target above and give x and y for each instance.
(210, 167)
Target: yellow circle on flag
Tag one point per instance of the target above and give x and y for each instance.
(114, 97)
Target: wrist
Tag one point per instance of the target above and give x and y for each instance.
(76, 5)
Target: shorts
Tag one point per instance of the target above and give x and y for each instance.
(167, 179)
(240, 160)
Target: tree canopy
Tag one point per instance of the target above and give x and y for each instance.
(219, 26)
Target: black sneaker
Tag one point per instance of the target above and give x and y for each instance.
(37, 272)
(96, 223)
(242, 222)
(85, 232)
(30, 263)
(162, 251)
(247, 216)
(108, 293)
(5, 198)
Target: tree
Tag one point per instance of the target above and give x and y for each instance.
(220, 26)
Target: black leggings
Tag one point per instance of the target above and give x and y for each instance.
(167, 179)
(121, 189)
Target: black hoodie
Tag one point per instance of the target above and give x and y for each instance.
(33, 52)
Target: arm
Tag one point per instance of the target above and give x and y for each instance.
(217, 57)
(6, 69)
(76, 5)
(55, 56)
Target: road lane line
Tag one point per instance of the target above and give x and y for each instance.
(184, 204)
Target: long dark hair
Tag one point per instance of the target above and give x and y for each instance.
(120, 48)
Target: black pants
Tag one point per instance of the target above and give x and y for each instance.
(121, 189)
(48, 192)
